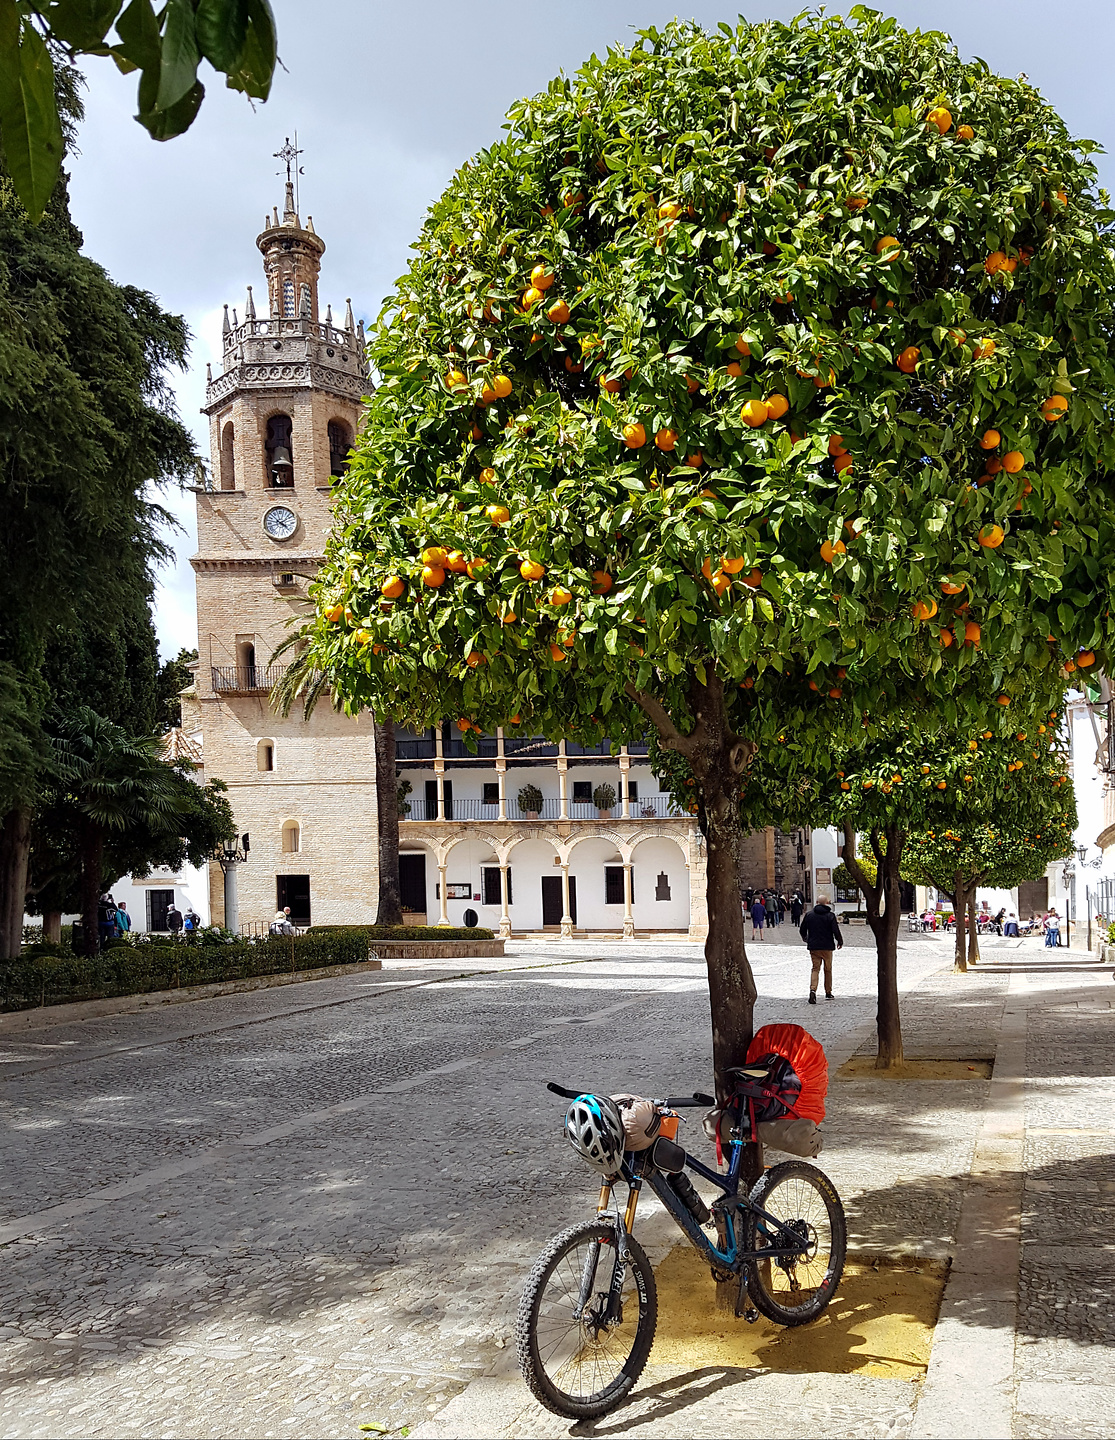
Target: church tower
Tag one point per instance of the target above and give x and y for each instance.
(283, 415)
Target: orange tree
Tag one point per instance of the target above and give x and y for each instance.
(694, 379)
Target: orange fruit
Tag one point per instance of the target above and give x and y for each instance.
(391, 588)
(531, 297)
(888, 248)
(747, 683)
(487, 395)
(474, 658)
(435, 555)
(509, 618)
(532, 570)
(993, 466)
(989, 439)
(1004, 699)
(941, 785)
(613, 387)
(666, 439)
(836, 445)
(856, 202)
(720, 582)
(557, 654)
(991, 537)
(573, 366)
(946, 638)
(433, 576)
(502, 386)
(734, 370)
(754, 413)
(476, 433)
(456, 562)
(558, 312)
(984, 349)
(972, 634)
(964, 132)
(994, 262)
(669, 211)
(908, 359)
(1013, 461)
(754, 579)
(950, 587)
(455, 379)
(696, 460)
(464, 726)
(742, 345)
(1086, 658)
(923, 609)
(844, 785)
(497, 514)
(692, 384)
(601, 582)
(835, 693)
(829, 551)
(1054, 407)
(731, 564)
(487, 475)
(777, 405)
(843, 464)
(475, 568)
(560, 596)
(336, 612)
(540, 277)
(634, 436)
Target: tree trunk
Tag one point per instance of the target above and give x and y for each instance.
(390, 909)
(959, 910)
(92, 860)
(52, 926)
(15, 852)
(973, 929)
(884, 915)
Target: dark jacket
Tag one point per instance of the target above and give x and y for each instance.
(820, 930)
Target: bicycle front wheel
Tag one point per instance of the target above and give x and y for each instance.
(575, 1362)
(791, 1290)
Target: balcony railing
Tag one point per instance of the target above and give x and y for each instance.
(415, 747)
(653, 807)
(247, 679)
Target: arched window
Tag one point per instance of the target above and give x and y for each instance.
(265, 755)
(280, 460)
(340, 444)
(228, 457)
(292, 837)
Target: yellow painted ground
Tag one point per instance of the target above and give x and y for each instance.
(862, 1067)
(880, 1322)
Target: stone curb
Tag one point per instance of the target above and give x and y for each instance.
(18, 1021)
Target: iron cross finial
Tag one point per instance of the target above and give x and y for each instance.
(289, 155)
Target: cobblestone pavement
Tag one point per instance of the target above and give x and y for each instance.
(295, 1211)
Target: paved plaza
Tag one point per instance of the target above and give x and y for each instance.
(296, 1211)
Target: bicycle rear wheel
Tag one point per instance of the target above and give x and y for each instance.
(574, 1364)
(804, 1201)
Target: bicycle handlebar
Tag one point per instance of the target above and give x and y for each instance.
(675, 1102)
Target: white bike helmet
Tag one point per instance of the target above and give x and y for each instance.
(594, 1128)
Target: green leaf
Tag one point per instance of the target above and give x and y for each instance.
(255, 66)
(222, 28)
(80, 23)
(140, 39)
(166, 124)
(30, 129)
(178, 70)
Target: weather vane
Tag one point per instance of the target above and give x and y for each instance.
(289, 155)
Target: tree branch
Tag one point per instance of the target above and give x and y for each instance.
(854, 869)
(671, 736)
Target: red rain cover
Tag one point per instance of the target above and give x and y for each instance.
(806, 1055)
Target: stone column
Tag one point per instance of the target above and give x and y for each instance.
(624, 768)
(563, 790)
(698, 885)
(501, 774)
(628, 916)
(443, 894)
(505, 917)
(566, 918)
(439, 773)
(232, 902)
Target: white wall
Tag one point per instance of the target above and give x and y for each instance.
(190, 886)
(651, 858)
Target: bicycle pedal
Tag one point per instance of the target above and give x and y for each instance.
(751, 1315)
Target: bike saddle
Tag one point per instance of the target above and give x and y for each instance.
(750, 1072)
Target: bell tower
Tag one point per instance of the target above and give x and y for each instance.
(284, 413)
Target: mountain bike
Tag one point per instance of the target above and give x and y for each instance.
(588, 1314)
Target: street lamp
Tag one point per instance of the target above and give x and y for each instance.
(229, 854)
(1082, 856)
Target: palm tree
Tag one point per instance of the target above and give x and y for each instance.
(107, 780)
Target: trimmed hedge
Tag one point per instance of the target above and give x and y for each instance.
(410, 932)
(41, 977)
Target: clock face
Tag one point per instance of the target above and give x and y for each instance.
(280, 522)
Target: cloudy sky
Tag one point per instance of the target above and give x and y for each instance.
(388, 99)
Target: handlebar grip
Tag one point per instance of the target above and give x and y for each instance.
(562, 1091)
(690, 1102)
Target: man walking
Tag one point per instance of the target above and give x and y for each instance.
(821, 932)
(796, 908)
(758, 915)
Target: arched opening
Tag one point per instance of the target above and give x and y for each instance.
(228, 457)
(292, 837)
(246, 663)
(265, 755)
(280, 458)
(340, 444)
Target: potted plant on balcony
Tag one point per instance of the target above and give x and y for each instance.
(604, 797)
(530, 801)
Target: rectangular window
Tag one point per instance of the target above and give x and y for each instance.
(582, 792)
(489, 794)
(633, 789)
(490, 877)
(613, 884)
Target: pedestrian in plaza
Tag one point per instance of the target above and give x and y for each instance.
(997, 920)
(123, 919)
(174, 919)
(281, 924)
(1010, 925)
(783, 907)
(758, 916)
(188, 926)
(106, 919)
(1052, 930)
(821, 932)
(796, 907)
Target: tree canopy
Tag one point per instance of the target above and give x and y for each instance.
(746, 358)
